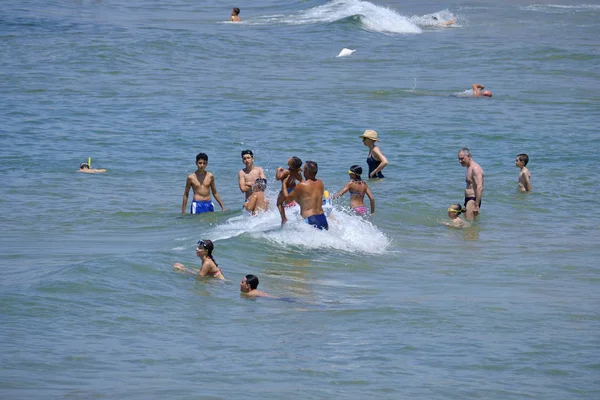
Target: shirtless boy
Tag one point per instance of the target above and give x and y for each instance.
(257, 202)
(309, 195)
(202, 182)
(524, 176)
(474, 180)
(249, 173)
(235, 12)
(291, 175)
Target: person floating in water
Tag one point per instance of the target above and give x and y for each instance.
(249, 285)
(446, 23)
(292, 175)
(309, 195)
(524, 176)
(376, 160)
(209, 268)
(202, 182)
(235, 12)
(357, 188)
(479, 92)
(257, 202)
(455, 221)
(85, 168)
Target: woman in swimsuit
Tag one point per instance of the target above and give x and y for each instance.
(209, 267)
(357, 188)
(376, 160)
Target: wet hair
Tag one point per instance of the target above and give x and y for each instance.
(312, 168)
(209, 247)
(252, 280)
(524, 158)
(247, 151)
(356, 170)
(201, 156)
(465, 151)
(260, 184)
(486, 93)
(84, 165)
(296, 163)
(458, 207)
(236, 10)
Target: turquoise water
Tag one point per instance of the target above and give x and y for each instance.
(397, 306)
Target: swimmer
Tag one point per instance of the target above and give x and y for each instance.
(235, 12)
(357, 188)
(292, 175)
(248, 287)
(455, 221)
(85, 168)
(446, 23)
(210, 268)
(479, 92)
(375, 160)
(524, 176)
(257, 202)
(202, 182)
(309, 195)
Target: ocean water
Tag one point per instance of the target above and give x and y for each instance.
(395, 306)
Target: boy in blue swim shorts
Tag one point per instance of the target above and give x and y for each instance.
(202, 182)
(309, 195)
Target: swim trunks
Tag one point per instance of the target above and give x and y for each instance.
(318, 221)
(373, 164)
(202, 206)
(467, 199)
(360, 210)
(291, 203)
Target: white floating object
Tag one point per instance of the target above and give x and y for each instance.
(345, 52)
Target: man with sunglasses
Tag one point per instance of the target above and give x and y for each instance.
(474, 179)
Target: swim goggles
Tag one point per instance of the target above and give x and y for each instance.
(202, 243)
(453, 210)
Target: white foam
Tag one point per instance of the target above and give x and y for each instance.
(374, 18)
(349, 233)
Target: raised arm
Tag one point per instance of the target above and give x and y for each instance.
(341, 192)
(186, 193)
(281, 173)
(476, 87)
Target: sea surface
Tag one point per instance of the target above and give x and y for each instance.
(394, 306)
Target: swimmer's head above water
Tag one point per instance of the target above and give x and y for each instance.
(455, 210)
(84, 165)
(355, 170)
(486, 93)
(260, 185)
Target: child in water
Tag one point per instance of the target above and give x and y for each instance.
(209, 266)
(455, 221)
(257, 202)
(357, 188)
(293, 175)
(235, 12)
(525, 175)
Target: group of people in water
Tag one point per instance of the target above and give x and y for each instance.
(300, 187)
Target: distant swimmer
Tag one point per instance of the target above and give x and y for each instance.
(235, 12)
(85, 168)
(257, 202)
(292, 175)
(455, 221)
(524, 176)
(444, 23)
(479, 92)
(474, 180)
(375, 160)
(202, 182)
(357, 188)
(249, 285)
(309, 195)
(210, 268)
(249, 173)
